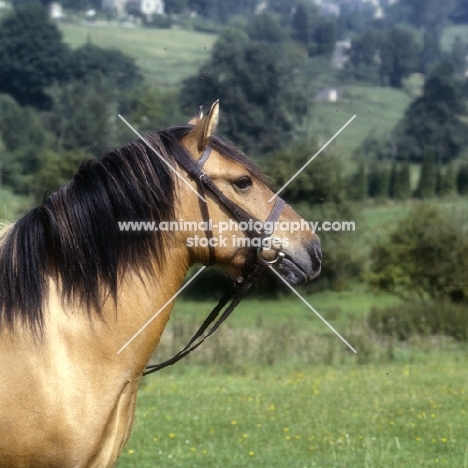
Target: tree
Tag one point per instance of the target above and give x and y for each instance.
(401, 189)
(433, 122)
(151, 109)
(266, 27)
(23, 135)
(459, 14)
(175, 6)
(32, 56)
(459, 53)
(378, 180)
(364, 56)
(448, 182)
(384, 57)
(399, 186)
(316, 33)
(462, 180)
(426, 254)
(428, 179)
(84, 117)
(54, 171)
(358, 184)
(90, 60)
(256, 84)
(420, 13)
(431, 51)
(399, 55)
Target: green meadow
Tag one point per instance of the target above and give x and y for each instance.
(400, 410)
(377, 111)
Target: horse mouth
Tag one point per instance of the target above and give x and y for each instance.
(297, 269)
(292, 272)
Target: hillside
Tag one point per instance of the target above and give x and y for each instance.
(376, 109)
(166, 56)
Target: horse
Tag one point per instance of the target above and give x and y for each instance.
(75, 287)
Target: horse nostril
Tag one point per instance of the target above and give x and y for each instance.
(315, 252)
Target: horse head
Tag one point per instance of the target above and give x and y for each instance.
(232, 241)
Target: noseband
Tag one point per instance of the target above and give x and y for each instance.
(252, 268)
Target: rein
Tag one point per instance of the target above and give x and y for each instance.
(252, 269)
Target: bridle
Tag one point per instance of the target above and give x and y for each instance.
(252, 268)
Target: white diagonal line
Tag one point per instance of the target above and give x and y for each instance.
(180, 176)
(162, 308)
(312, 158)
(313, 310)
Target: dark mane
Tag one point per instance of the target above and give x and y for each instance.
(74, 235)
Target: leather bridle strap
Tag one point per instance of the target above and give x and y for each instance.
(256, 267)
(237, 295)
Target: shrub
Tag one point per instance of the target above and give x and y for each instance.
(421, 318)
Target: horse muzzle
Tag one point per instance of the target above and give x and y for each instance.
(301, 265)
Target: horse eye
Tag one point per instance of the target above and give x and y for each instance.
(243, 183)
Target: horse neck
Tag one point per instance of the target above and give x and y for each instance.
(142, 303)
(96, 343)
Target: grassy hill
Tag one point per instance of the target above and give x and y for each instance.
(166, 56)
(449, 35)
(376, 109)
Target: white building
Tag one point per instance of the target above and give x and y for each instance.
(145, 7)
(55, 11)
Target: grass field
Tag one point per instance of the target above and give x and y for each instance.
(450, 33)
(409, 412)
(166, 56)
(376, 109)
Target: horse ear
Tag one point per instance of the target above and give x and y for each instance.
(197, 117)
(204, 128)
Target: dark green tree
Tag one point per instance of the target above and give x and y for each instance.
(462, 180)
(427, 185)
(23, 135)
(256, 84)
(401, 185)
(119, 69)
(433, 122)
(420, 13)
(358, 184)
(54, 171)
(266, 27)
(364, 56)
(448, 182)
(384, 57)
(175, 6)
(431, 51)
(316, 33)
(459, 53)
(325, 37)
(84, 117)
(459, 14)
(399, 55)
(425, 255)
(32, 55)
(378, 179)
(150, 109)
